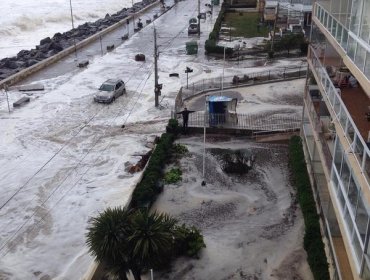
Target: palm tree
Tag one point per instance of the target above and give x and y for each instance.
(107, 240)
(151, 240)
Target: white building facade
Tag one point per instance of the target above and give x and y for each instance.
(335, 131)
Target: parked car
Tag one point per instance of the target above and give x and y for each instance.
(193, 28)
(109, 91)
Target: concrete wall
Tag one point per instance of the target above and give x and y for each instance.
(46, 62)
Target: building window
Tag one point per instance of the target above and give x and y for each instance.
(338, 35)
(365, 22)
(367, 66)
(360, 57)
(356, 16)
(353, 194)
(351, 48)
(338, 156)
(362, 218)
(366, 271)
(344, 42)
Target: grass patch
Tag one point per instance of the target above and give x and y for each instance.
(245, 25)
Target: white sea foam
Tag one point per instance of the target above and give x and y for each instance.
(24, 23)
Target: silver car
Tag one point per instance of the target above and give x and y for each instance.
(110, 90)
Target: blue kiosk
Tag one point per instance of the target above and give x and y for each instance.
(222, 110)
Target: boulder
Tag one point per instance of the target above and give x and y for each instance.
(31, 62)
(55, 46)
(44, 41)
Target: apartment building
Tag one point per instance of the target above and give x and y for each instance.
(336, 131)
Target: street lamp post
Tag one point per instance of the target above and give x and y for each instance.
(204, 142)
(223, 72)
(187, 71)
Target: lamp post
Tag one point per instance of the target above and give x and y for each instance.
(223, 72)
(73, 27)
(187, 71)
(204, 142)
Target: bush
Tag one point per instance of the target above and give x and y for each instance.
(211, 47)
(313, 243)
(173, 176)
(189, 241)
(149, 187)
(180, 149)
(173, 126)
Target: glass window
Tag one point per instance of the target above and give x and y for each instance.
(341, 199)
(349, 222)
(345, 173)
(365, 21)
(366, 272)
(338, 154)
(350, 132)
(362, 218)
(344, 42)
(352, 194)
(351, 47)
(367, 66)
(357, 247)
(360, 57)
(356, 16)
(359, 149)
(338, 35)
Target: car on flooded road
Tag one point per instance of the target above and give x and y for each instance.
(110, 90)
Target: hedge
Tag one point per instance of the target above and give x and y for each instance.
(150, 185)
(210, 45)
(313, 242)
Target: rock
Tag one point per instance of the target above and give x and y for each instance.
(44, 41)
(23, 53)
(31, 62)
(11, 64)
(57, 47)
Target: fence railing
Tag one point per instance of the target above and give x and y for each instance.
(241, 80)
(254, 122)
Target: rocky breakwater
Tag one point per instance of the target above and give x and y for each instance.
(60, 41)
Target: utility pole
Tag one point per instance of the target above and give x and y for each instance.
(7, 97)
(73, 27)
(199, 18)
(273, 31)
(157, 88)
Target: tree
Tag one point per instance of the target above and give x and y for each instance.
(107, 240)
(151, 240)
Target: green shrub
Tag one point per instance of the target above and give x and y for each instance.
(172, 176)
(173, 126)
(188, 241)
(313, 243)
(149, 187)
(211, 47)
(180, 149)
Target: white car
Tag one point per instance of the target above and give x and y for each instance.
(109, 91)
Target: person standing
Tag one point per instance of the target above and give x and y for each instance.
(185, 118)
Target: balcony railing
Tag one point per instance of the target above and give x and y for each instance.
(357, 145)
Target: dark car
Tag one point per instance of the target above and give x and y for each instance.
(109, 91)
(193, 28)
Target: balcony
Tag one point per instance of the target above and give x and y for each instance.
(348, 106)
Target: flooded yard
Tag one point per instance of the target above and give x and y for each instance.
(251, 222)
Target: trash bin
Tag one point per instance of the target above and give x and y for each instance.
(191, 47)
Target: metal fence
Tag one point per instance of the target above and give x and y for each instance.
(254, 122)
(243, 80)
